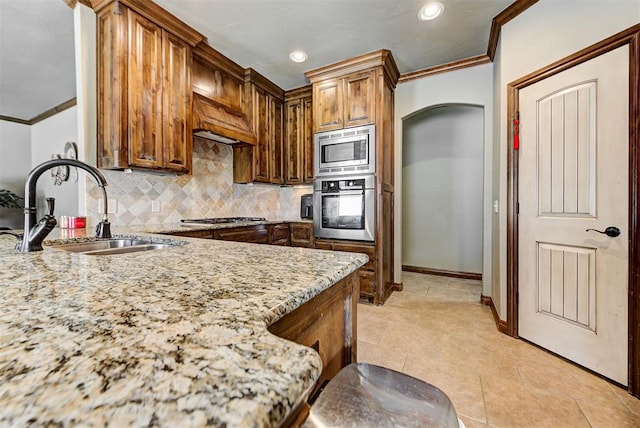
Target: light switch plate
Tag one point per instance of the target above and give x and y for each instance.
(113, 206)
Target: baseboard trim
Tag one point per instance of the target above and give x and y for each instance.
(500, 324)
(398, 286)
(442, 272)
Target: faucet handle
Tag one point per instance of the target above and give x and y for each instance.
(51, 204)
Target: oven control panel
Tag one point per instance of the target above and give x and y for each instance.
(332, 186)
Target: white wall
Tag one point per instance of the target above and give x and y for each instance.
(467, 86)
(443, 151)
(548, 31)
(49, 138)
(15, 163)
(84, 30)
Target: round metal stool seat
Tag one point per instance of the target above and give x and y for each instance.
(366, 395)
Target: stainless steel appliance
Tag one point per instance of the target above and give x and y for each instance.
(343, 208)
(306, 206)
(346, 151)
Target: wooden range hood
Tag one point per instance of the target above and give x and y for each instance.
(215, 121)
(219, 109)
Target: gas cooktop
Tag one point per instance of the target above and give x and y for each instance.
(221, 220)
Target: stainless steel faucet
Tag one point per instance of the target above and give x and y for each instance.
(34, 233)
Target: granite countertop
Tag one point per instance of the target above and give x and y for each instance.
(171, 337)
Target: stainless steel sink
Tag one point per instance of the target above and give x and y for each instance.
(114, 246)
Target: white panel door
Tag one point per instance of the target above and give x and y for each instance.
(573, 176)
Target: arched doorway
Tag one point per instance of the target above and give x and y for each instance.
(442, 178)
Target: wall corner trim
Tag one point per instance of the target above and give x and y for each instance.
(500, 324)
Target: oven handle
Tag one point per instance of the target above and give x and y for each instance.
(344, 192)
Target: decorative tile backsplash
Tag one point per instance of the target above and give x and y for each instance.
(209, 192)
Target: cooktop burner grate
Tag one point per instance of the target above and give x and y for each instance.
(218, 220)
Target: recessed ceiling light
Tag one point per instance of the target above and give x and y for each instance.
(431, 10)
(298, 56)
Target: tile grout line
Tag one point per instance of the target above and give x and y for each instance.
(620, 399)
(484, 401)
(582, 411)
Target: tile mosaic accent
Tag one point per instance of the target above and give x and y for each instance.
(209, 192)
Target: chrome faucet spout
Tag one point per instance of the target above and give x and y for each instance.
(34, 243)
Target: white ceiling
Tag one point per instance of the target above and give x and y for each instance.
(37, 66)
(261, 33)
(36, 39)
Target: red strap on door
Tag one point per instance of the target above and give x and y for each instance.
(516, 131)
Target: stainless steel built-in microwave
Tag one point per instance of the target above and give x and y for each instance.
(345, 151)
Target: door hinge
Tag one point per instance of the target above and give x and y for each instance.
(517, 298)
(517, 207)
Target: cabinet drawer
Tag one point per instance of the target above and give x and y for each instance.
(255, 234)
(302, 235)
(207, 234)
(279, 232)
(368, 249)
(367, 283)
(321, 245)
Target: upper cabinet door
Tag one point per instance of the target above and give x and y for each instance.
(328, 105)
(294, 141)
(359, 106)
(178, 142)
(145, 93)
(307, 138)
(262, 116)
(276, 170)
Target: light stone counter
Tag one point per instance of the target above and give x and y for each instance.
(171, 337)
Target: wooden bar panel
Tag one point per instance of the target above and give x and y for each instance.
(326, 323)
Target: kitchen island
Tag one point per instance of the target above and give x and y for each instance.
(171, 337)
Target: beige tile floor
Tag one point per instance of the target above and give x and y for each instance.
(436, 330)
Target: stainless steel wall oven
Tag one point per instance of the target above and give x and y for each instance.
(343, 207)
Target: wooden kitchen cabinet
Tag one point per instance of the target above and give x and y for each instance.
(273, 234)
(368, 279)
(265, 161)
(344, 102)
(326, 323)
(360, 91)
(280, 235)
(258, 234)
(219, 97)
(144, 88)
(301, 234)
(299, 136)
(204, 234)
